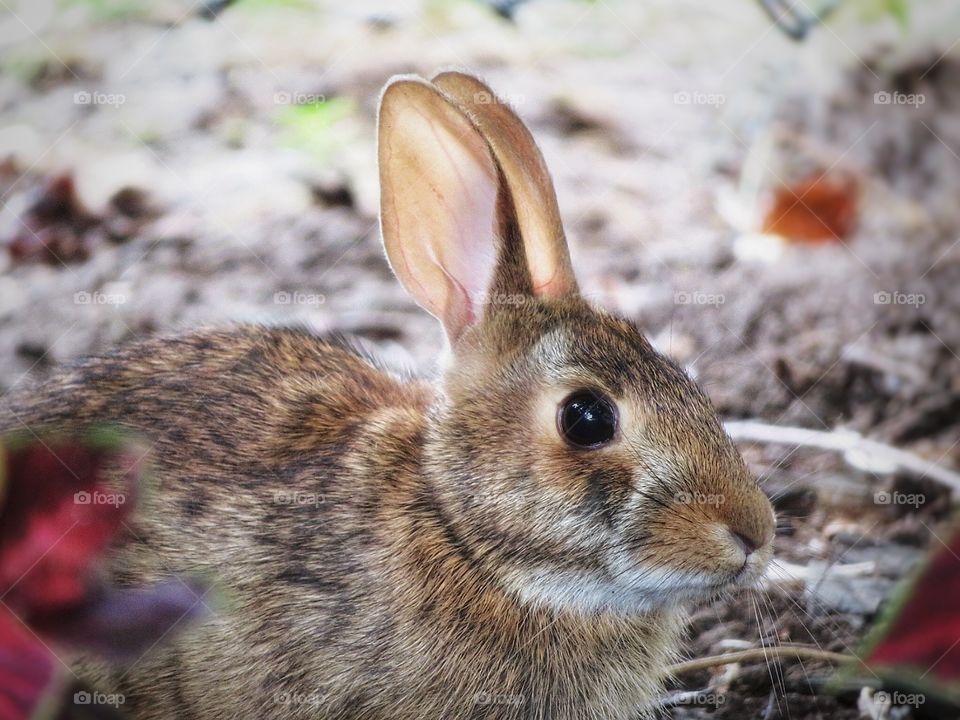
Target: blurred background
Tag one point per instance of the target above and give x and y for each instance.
(770, 189)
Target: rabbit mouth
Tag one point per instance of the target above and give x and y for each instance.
(749, 574)
(743, 578)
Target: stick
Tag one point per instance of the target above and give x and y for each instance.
(797, 652)
(860, 452)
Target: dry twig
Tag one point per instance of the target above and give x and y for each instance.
(797, 652)
(857, 450)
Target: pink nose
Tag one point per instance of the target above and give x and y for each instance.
(743, 542)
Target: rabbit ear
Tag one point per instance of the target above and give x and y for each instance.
(527, 178)
(438, 202)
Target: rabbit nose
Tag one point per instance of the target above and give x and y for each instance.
(746, 544)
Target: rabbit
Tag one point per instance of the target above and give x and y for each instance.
(516, 539)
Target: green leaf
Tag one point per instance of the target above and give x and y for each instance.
(311, 126)
(271, 4)
(112, 9)
(875, 10)
(900, 9)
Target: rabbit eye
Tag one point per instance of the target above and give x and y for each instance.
(587, 419)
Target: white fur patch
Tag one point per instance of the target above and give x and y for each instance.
(626, 589)
(635, 591)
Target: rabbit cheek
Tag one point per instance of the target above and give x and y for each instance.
(605, 494)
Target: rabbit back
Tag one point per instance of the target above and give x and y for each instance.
(263, 480)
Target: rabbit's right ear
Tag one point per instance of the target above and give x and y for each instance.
(527, 178)
(438, 202)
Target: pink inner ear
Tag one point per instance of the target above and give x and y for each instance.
(439, 188)
(473, 251)
(468, 254)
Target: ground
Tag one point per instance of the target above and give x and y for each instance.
(165, 166)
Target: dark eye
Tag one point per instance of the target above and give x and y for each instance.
(587, 419)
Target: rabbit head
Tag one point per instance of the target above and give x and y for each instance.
(571, 462)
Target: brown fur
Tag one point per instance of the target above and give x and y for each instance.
(439, 558)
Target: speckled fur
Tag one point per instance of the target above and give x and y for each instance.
(407, 589)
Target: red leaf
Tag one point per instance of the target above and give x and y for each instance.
(922, 634)
(815, 210)
(28, 672)
(57, 518)
(65, 502)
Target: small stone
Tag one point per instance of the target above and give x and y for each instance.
(830, 590)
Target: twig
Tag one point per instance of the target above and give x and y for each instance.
(860, 452)
(798, 652)
(793, 23)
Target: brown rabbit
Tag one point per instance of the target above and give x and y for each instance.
(514, 541)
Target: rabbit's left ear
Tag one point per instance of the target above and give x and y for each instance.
(527, 178)
(439, 188)
(467, 208)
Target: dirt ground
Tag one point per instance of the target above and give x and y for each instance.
(163, 166)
